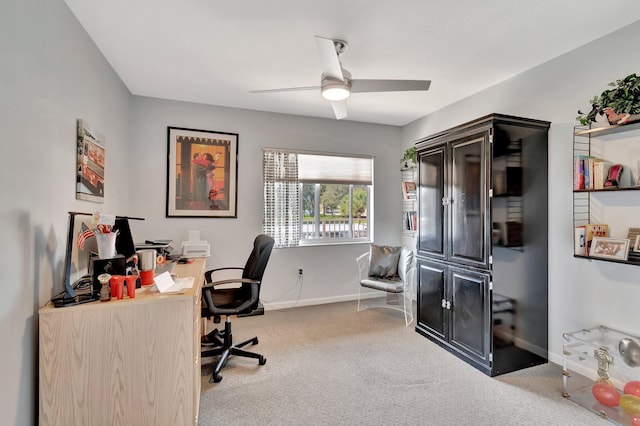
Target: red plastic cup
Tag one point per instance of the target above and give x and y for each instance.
(131, 285)
(146, 277)
(117, 283)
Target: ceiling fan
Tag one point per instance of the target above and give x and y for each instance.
(336, 84)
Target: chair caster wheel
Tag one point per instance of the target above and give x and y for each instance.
(216, 378)
(255, 341)
(262, 361)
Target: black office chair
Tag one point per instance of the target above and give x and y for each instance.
(234, 301)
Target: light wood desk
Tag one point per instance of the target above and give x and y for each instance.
(130, 361)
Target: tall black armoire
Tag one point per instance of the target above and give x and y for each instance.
(482, 242)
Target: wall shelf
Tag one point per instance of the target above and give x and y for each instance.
(588, 205)
(634, 188)
(409, 205)
(609, 130)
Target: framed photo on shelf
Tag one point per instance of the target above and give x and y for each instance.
(202, 173)
(409, 190)
(632, 236)
(609, 248)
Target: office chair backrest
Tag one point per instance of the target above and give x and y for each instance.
(257, 261)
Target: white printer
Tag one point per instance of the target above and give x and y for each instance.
(195, 247)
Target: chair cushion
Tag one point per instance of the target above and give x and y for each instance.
(405, 262)
(229, 298)
(383, 261)
(390, 285)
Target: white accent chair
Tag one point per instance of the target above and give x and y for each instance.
(400, 284)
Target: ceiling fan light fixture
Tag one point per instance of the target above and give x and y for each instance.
(333, 89)
(335, 92)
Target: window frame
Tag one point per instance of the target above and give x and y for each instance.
(319, 172)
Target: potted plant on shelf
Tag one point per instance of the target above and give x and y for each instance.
(410, 158)
(620, 104)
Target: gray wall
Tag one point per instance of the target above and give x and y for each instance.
(329, 271)
(582, 293)
(50, 74)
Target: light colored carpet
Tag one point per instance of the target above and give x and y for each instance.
(331, 365)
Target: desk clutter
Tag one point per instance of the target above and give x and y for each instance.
(102, 260)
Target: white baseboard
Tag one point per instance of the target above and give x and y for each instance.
(317, 301)
(556, 358)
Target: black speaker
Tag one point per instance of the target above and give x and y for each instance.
(111, 266)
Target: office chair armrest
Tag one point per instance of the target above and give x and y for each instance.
(208, 275)
(213, 310)
(230, 281)
(226, 267)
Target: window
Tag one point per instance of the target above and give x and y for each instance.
(315, 198)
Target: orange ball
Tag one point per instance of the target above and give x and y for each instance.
(632, 388)
(606, 394)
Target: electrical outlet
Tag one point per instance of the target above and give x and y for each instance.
(300, 271)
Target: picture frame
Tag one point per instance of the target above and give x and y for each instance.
(202, 173)
(632, 236)
(609, 248)
(90, 163)
(409, 190)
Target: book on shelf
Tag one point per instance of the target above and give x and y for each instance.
(594, 230)
(600, 168)
(589, 172)
(410, 221)
(409, 190)
(578, 172)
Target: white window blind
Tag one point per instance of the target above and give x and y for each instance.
(324, 168)
(281, 217)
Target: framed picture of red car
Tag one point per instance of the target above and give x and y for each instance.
(202, 173)
(90, 155)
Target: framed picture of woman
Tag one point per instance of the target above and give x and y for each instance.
(202, 177)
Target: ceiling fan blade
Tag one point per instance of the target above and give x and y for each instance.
(360, 86)
(339, 109)
(289, 89)
(329, 58)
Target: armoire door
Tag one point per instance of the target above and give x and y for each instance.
(432, 315)
(470, 313)
(469, 217)
(432, 225)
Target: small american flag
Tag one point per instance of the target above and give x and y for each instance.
(84, 234)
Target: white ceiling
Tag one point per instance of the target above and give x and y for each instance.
(215, 52)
